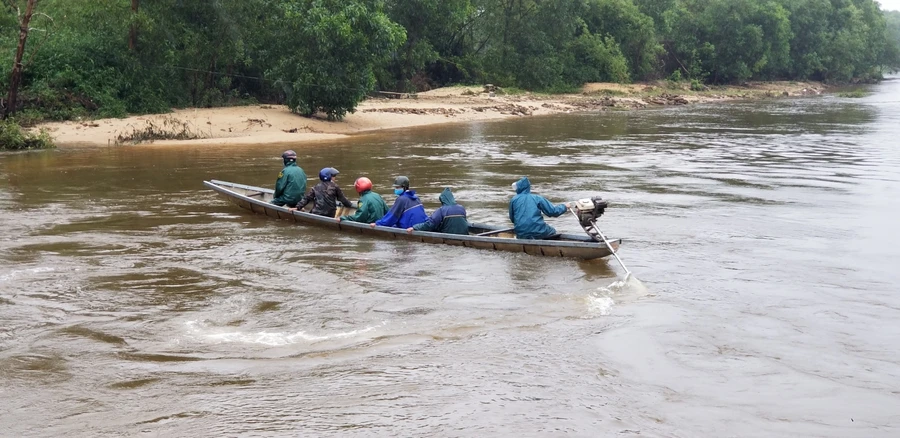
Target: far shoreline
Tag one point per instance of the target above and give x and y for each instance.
(275, 124)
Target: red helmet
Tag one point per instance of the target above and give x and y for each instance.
(362, 184)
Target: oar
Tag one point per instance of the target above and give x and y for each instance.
(600, 233)
(495, 232)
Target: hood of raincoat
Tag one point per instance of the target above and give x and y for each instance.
(447, 197)
(410, 194)
(523, 186)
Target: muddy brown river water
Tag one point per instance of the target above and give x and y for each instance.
(135, 303)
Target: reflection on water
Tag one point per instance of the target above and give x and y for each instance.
(135, 301)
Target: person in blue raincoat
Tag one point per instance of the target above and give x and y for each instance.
(526, 209)
(450, 218)
(407, 209)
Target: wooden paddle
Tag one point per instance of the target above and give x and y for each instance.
(489, 233)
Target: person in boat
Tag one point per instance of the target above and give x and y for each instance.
(450, 218)
(291, 183)
(325, 194)
(407, 209)
(526, 210)
(371, 205)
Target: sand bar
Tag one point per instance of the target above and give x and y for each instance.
(271, 124)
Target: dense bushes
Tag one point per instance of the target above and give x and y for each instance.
(14, 138)
(104, 58)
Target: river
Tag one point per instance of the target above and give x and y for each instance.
(133, 302)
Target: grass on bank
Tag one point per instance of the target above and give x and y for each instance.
(855, 94)
(14, 138)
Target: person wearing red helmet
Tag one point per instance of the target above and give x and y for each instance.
(371, 206)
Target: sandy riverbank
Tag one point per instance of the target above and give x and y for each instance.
(269, 124)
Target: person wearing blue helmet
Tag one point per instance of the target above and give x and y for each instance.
(407, 210)
(526, 209)
(325, 194)
(291, 183)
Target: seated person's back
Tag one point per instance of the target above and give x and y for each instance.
(371, 205)
(526, 209)
(450, 218)
(325, 194)
(291, 183)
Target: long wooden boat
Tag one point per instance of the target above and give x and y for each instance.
(257, 200)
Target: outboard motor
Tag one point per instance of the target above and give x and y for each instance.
(589, 212)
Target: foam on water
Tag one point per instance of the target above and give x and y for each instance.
(599, 305)
(18, 272)
(601, 302)
(274, 339)
(630, 286)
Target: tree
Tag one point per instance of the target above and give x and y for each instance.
(132, 34)
(16, 75)
(435, 34)
(329, 51)
(892, 53)
(631, 29)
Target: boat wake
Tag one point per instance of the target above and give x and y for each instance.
(631, 287)
(601, 302)
(599, 305)
(276, 339)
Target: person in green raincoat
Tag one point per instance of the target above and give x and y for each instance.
(291, 184)
(371, 206)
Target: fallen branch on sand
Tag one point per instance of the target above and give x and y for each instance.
(168, 128)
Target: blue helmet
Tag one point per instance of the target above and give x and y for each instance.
(327, 173)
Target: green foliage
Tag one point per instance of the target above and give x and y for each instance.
(737, 39)
(100, 58)
(13, 138)
(696, 85)
(892, 50)
(855, 94)
(594, 58)
(633, 30)
(327, 63)
(434, 38)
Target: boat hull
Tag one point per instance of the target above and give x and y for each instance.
(256, 200)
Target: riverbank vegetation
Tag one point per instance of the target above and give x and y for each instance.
(14, 138)
(109, 58)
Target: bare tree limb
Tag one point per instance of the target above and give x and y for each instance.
(15, 77)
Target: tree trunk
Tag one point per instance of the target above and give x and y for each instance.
(16, 76)
(132, 34)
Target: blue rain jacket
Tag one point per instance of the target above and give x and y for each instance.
(525, 212)
(406, 212)
(450, 218)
